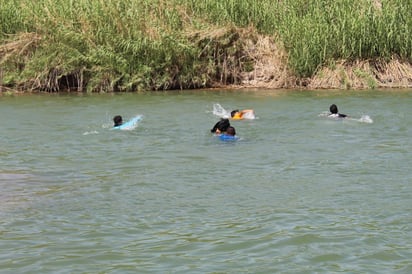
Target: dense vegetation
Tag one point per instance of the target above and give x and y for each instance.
(128, 45)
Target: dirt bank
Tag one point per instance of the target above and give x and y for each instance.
(242, 58)
(270, 71)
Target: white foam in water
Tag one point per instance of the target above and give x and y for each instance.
(91, 132)
(365, 119)
(219, 111)
(362, 119)
(324, 114)
(107, 125)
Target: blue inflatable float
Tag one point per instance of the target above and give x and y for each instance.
(225, 137)
(131, 124)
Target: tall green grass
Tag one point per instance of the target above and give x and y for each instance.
(117, 45)
(110, 45)
(316, 32)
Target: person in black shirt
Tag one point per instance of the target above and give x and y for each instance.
(335, 113)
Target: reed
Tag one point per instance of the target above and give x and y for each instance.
(109, 45)
(318, 31)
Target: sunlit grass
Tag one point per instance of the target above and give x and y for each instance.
(109, 45)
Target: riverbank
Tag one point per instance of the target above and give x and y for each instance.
(139, 45)
(270, 70)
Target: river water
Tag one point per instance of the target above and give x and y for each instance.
(298, 193)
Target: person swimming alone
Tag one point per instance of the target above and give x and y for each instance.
(242, 114)
(117, 120)
(335, 113)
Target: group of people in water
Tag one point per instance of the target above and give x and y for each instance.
(223, 127)
(226, 131)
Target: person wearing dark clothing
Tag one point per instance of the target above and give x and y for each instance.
(335, 113)
(117, 120)
(221, 126)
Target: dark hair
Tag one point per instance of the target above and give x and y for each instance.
(333, 109)
(234, 112)
(117, 120)
(222, 125)
(231, 131)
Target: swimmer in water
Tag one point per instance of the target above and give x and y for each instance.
(242, 114)
(221, 126)
(231, 131)
(117, 120)
(335, 113)
(229, 135)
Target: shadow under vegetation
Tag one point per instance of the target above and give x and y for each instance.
(223, 57)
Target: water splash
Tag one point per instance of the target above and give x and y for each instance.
(219, 111)
(324, 114)
(91, 132)
(365, 119)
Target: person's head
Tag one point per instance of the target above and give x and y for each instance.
(221, 126)
(333, 109)
(231, 131)
(234, 112)
(117, 120)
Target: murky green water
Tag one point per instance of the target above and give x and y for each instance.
(299, 193)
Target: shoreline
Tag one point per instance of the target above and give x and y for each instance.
(227, 88)
(80, 47)
(262, 65)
